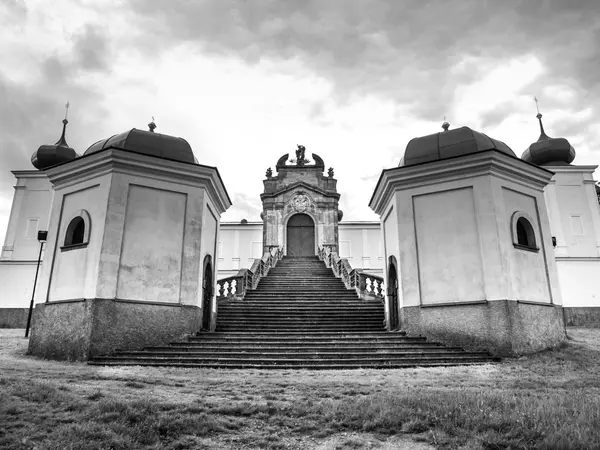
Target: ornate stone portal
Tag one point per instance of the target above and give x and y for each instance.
(300, 206)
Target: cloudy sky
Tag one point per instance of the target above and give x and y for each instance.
(245, 81)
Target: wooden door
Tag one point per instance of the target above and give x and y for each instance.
(301, 236)
(207, 293)
(393, 296)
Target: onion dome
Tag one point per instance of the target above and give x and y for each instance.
(449, 144)
(50, 155)
(549, 151)
(148, 143)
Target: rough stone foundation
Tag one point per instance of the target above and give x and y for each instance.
(504, 328)
(13, 317)
(82, 329)
(582, 317)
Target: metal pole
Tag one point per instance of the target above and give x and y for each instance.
(33, 293)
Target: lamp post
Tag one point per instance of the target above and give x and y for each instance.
(42, 235)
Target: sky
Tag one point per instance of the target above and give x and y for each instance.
(245, 81)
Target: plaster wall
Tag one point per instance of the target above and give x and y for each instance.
(493, 243)
(73, 272)
(239, 245)
(534, 276)
(390, 235)
(210, 236)
(16, 281)
(527, 269)
(576, 221)
(29, 214)
(480, 249)
(361, 245)
(152, 246)
(169, 234)
(580, 282)
(448, 250)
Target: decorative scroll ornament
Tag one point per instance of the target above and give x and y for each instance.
(300, 202)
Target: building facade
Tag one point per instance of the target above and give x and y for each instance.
(569, 200)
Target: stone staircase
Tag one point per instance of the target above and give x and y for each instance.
(300, 317)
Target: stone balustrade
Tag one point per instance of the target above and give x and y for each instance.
(236, 286)
(367, 286)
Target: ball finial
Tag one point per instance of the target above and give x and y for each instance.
(445, 125)
(152, 125)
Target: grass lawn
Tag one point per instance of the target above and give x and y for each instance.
(549, 401)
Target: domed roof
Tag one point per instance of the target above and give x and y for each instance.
(549, 151)
(148, 143)
(449, 144)
(50, 155)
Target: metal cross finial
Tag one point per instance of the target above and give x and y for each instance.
(67, 109)
(539, 117)
(537, 107)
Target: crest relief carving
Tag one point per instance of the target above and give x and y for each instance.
(301, 202)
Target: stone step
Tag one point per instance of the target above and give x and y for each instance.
(295, 315)
(359, 335)
(287, 355)
(249, 326)
(382, 361)
(300, 317)
(323, 366)
(294, 347)
(308, 321)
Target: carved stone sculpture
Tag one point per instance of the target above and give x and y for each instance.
(300, 152)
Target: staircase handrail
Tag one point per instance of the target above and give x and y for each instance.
(367, 286)
(236, 286)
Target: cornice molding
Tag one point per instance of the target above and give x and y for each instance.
(111, 161)
(494, 163)
(586, 168)
(296, 185)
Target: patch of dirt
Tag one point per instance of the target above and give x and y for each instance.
(349, 441)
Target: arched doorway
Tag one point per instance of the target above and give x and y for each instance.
(393, 294)
(300, 236)
(207, 290)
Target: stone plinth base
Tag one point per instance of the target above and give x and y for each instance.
(79, 330)
(13, 317)
(504, 328)
(582, 317)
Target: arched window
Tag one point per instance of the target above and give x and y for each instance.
(75, 232)
(78, 230)
(523, 233)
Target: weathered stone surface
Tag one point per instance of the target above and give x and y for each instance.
(80, 330)
(582, 317)
(300, 189)
(13, 317)
(502, 327)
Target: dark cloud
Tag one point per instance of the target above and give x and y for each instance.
(497, 115)
(31, 111)
(401, 50)
(91, 50)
